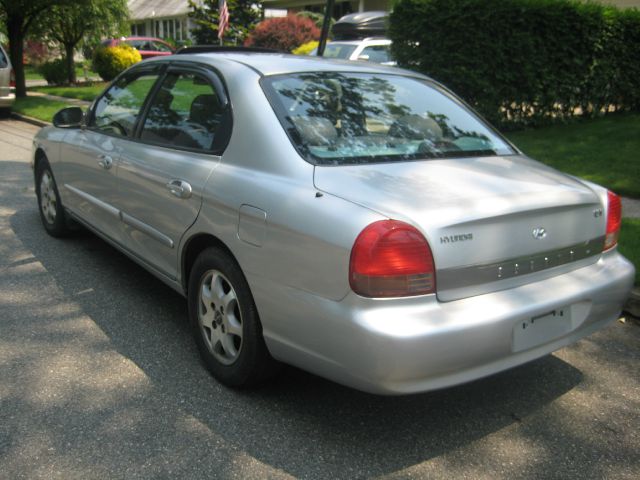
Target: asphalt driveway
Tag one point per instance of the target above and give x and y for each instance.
(99, 378)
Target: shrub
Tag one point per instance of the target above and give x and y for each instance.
(305, 48)
(524, 62)
(283, 33)
(54, 72)
(108, 62)
(35, 52)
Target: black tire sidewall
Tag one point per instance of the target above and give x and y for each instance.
(253, 358)
(59, 227)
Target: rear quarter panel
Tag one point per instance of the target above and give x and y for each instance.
(307, 235)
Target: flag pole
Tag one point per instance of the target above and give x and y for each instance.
(223, 19)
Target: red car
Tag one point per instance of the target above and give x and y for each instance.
(147, 46)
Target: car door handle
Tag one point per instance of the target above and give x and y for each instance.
(180, 188)
(105, 161)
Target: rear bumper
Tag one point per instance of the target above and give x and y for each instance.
(7, 101)
(401, 346)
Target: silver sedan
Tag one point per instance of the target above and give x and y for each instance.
(357, 221)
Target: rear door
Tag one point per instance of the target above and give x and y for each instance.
(161, 177)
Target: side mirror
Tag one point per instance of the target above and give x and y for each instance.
(363, 57)
(70, 117)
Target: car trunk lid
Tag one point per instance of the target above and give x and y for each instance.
(492, 222)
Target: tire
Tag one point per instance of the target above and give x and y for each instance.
(52, 213)
(225, 322)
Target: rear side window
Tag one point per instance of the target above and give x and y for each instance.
(376, 53)
(338, 50)
(118, 109)
(3, 59)
(185, 112)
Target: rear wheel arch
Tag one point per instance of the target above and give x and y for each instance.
(194, 247)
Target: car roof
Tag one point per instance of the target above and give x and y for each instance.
(369, 40)
(279, 63)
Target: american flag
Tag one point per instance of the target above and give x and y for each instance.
(224, 18)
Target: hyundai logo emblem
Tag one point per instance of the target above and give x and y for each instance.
(539, 233)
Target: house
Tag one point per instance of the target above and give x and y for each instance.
(161, 19)
(170, 18)
(341, 7)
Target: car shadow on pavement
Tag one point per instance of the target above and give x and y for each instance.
(299, 424)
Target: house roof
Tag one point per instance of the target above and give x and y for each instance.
(145, 9)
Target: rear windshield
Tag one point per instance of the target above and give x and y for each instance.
(336, 50)
(348, 118)
(3, 59)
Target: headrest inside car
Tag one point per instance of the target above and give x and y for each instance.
(315, 131)
(416, 127)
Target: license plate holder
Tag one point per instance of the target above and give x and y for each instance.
(541, 329)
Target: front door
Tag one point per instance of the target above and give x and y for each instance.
(88, 167)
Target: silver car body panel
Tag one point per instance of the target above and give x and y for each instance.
(7, 96)
(291, 226)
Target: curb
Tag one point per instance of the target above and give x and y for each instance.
(633, 303)
(31, 120)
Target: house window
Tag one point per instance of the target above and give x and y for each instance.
(138, 29)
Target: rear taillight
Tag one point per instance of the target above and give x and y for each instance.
(391, 259)
(614, 219)
(12, 79)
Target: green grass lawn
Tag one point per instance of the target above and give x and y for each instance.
(605, 150)
(37, 107)
(629, 242)
(31, 73)
(84, 92)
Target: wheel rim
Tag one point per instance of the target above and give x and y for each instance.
(220, 317)
(48, 201)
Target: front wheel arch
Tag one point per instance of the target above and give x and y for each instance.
(39, 157)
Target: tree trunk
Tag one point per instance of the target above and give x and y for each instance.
(16, 49)
(71, 67)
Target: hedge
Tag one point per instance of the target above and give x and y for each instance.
(524, 62)
(54, 72)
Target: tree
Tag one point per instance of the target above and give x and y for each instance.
(69, 24)
(243, 17)
(18, 16)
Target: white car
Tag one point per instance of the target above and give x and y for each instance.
(376, 50)
(7, 82)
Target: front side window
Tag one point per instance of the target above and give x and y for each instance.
(185, 112)
(118, 109)
(347, 118)
(137, 44)
(161, 47)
